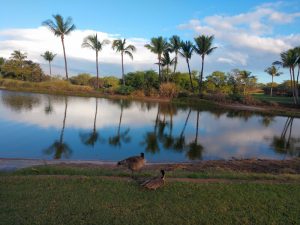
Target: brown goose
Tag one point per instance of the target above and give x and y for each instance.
(155, 182)
(134, 163)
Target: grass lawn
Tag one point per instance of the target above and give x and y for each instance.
(278, 99)
(90, 199)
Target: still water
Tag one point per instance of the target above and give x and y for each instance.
(37, 126)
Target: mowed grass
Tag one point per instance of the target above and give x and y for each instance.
(91, 199)
(278, 99)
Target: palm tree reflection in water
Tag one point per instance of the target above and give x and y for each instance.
(59, 148)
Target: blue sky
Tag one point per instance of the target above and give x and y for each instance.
(240, 27)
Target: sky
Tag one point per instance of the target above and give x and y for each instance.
(249, 34)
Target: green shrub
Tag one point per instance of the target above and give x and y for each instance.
(124, 90)
(81, 79)
(169, 90)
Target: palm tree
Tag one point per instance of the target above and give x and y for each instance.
(93, 43)
(158, 46)
(289, 59)
(273, 71)
(18, 56)
(245, 78)
(180, 141)
(175, 45)
(187, 49)
(49, 56)
(60, 28)
(120, 46)
(203, 47)
(167, 61)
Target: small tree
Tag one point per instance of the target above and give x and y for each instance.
(273, 71)
(49, 56)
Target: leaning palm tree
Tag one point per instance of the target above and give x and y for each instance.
(120, 46)
(49, 56)
(158, 46)
(187, 49)
(166, 61)
(175, 45)
(93, 43)
(289, 59)
(203, 47)
(273, 71)
(60, 28)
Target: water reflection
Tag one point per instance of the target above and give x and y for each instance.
(166, 132)
(90, 138)
(19, 101)
(285, 144)
(59, 148)
(123, 136)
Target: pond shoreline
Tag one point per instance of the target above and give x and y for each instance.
(189, 101)
(287, 166)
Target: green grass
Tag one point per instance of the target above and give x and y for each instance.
(277, 99)
(92, 200)
(121, 172)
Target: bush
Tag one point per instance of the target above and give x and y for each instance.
(249, 100)
(235, 97)
(218, 97)
(124, 90)
(169, 90)
(81, 79)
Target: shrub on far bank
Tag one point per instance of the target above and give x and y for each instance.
(124, 90)
(81, 79)
(169, 90)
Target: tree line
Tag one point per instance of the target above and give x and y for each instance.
(162, 47)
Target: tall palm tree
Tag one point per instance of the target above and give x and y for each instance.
(158, 46)
(289, 59)
(120, 46)
(49, 56)
(167, 61)
(187, 49)
(61, 28)
(175, 45)
(203, 47)
(245, 78)
(273, 71)
(93, 43)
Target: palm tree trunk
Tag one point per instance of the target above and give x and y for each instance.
(201, 76)
(64, 122)
(50, 67)
(97, 69)
(123, 78)
(295, 86)
(272, 87)
(95, 118)
(175, 63)
(159, 72)
(192, 86)
(186, 121)
(292, 85)
(120, 121)
(197, 128)
(65, 57)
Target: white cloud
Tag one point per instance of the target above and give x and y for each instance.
(37, 40)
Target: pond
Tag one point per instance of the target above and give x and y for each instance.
(37, 126)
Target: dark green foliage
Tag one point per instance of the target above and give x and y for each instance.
(125, 90)
(22, 70)
(142, 79)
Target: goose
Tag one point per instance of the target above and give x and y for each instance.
(155, 182)
(134, 163)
